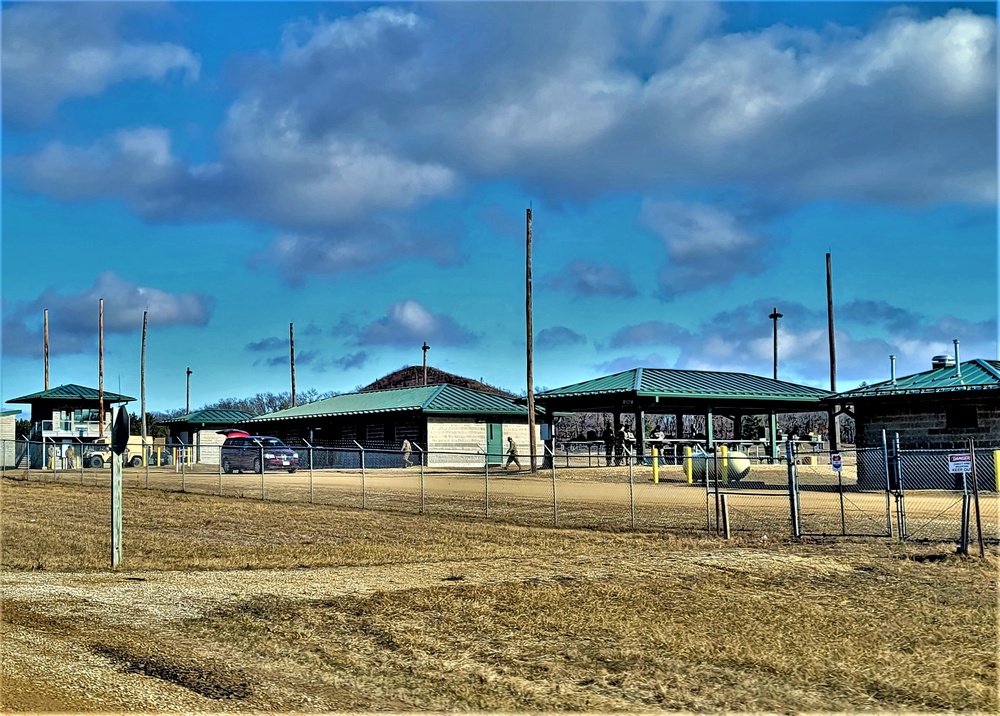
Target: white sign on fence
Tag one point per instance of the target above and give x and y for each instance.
(836, 462)
(961, 462)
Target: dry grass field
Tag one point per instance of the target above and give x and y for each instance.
(229, 605)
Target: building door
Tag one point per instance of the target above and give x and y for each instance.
(494, 443)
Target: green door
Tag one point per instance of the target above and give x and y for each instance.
(494, 442)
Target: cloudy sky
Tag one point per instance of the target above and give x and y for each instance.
(363, 171)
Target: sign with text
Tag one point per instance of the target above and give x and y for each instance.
(836, 462)
(960, 462)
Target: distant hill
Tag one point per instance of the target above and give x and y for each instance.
(413, 377)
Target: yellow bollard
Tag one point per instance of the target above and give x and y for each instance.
(996, 467)
(688, 464)
(724, 453)
(159, 456)
(656, 466)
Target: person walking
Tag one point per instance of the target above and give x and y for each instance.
(406, 449)
(609, 444)
(70, 457)
(512, 453)
(620, 445)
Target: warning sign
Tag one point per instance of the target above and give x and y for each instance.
(961, 462)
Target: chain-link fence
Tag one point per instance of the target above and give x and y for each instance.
(871, 492)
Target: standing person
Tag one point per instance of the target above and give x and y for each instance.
(70, 455)
(512, 453)
(609, 443)
(629, 443)
(656, 439)
(406, 450)
(620, 445)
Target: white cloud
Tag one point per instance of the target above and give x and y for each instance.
(52, 52)
(407, 323)
(73, 318)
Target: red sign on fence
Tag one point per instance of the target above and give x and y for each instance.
(961, 462)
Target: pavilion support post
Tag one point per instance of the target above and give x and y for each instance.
(738, 427)
(640, 435)
(709, 429)
(772, 418)
(679, 425)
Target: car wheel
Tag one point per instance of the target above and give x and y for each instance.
(291, 469)
(97, 462)
(256, 464)
(136, 461)
(227, 467)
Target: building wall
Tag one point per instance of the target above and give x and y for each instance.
(924, 423)
(8, 424)
(468, 435)
(208, 444)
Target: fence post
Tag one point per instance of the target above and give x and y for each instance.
(900, 491)
(421, 477)
(486, 473)
(888, 487)
(793, 489)
(963, 540)
(725, 516)
(363, 490)
(555, 514)
(311, 496)
(840, 489)
(631, 488)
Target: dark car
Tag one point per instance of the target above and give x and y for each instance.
(251, 452)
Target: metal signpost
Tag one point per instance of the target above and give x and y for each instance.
(119, 443)
(837, 463)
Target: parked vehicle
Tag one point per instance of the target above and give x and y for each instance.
(98, 454)
(254, 452)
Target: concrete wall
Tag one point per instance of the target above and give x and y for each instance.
(8, 424)
(923, 423)
(208, 444)
(468, 435)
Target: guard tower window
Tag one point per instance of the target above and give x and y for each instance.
(961, 417)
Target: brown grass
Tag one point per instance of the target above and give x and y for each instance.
(614, 622)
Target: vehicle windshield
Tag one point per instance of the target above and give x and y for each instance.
(271, 442)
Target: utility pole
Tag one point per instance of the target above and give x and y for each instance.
(46, 321)
(834, 411)
(291, 349)
(142, 380)
(774, 317)
(530, 347)
(425, 349)
(100, 366)
(187, 399)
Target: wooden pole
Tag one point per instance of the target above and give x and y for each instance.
(46, 320)
(425, 349)
(100, 366)
(834, 418)
(291, 349)
(142, 380)
(187, 393)
(530, 348)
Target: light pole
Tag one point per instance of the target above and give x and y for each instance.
(774, 317)
(187, 399)
(425, 349)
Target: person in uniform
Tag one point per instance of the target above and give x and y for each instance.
(512, 453)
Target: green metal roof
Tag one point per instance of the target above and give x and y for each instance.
(72, 393)
(8, 413)
(211, 416)
(686, 384)
(433, 399)
(976, 375)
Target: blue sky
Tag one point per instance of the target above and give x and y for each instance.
(363, 170)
